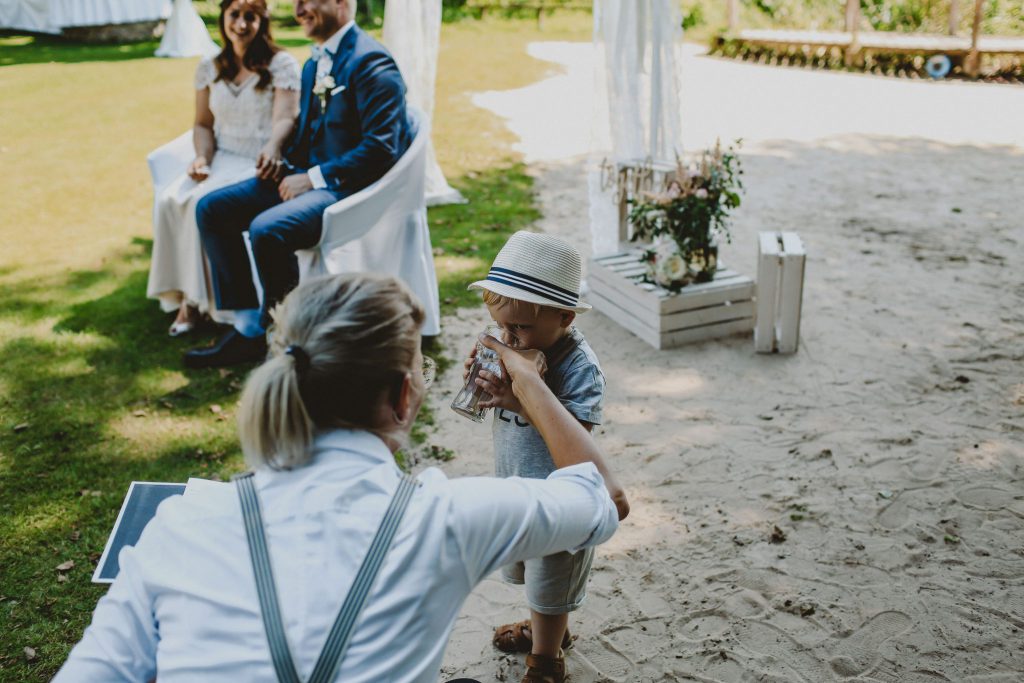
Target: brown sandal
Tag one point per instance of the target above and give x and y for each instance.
(518, 637)
(541, 669)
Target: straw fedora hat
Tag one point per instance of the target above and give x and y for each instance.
(537, 268)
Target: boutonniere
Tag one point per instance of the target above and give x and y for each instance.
(322, 88)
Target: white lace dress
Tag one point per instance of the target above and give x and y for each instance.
(242, 121)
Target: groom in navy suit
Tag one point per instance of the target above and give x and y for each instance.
(352, 128)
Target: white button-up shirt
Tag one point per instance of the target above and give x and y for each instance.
(185, 606)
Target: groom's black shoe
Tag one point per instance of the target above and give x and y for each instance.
(231, 349)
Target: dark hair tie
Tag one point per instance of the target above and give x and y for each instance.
(300, 356)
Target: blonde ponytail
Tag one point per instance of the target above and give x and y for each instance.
(273, 424)
(338, 346)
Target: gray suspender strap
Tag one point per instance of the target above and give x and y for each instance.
(341, 632)
(269, 606)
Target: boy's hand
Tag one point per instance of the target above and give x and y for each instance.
(468, 364)
(500, 389)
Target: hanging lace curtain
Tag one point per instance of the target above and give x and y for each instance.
(637, 45)
(412, 32)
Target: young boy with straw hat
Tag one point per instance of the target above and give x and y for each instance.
(533, 293)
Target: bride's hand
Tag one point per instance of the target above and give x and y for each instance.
(199, 169)
(268, 163)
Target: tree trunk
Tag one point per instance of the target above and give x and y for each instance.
(852, 27)
(973, 57)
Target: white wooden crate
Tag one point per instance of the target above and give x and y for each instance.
(707, 310)
(780, 286)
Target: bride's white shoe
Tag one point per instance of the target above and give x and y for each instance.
(178, 329)
(188, 319)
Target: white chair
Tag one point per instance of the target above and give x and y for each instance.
(383, 228)
(169, 161)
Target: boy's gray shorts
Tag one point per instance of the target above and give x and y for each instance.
(556, 584)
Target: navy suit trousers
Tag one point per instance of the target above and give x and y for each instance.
(276, 230)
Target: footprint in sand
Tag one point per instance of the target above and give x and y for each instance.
(923, 468)
(890, 672)
(913, 677)
(995, 678)
(764, 639)
(605, 658)
(896, 514)
(746, 604)
(701, 626)
(858, 652)
(985, 497)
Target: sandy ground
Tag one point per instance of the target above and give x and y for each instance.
(888, 451)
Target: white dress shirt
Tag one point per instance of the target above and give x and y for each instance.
(323, 67)
(184, 606)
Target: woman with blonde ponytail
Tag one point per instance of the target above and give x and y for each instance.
(328, 563)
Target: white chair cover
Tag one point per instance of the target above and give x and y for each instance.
(638, 51)
(383, 228)
(412, 32)
(185, 34)
(169, 161)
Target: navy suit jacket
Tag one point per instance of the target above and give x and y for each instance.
(365, 128)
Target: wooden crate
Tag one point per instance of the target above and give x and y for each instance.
(708, 310)
(780, 287)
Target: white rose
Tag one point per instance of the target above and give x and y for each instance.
(701, 193)
(669, 269)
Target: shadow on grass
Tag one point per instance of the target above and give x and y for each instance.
(36, 49)
(21, 48)
(93, 397)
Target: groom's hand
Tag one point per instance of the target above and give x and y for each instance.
(292, 186)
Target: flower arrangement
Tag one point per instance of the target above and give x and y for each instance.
(321, 89)
(685, 221)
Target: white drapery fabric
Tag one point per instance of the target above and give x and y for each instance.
(638, 49)
(185, 34)
(50, 16)
(26, 15)
(412, 32)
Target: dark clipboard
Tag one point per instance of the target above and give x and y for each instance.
(139, 507)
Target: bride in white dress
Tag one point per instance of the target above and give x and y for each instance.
(247, 100)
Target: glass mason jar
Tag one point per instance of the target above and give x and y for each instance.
(467, 401)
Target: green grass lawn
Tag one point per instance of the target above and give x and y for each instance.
(92, 391)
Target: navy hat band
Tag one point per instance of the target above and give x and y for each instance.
(534, 286)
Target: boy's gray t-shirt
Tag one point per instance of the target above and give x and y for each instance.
(577, 381)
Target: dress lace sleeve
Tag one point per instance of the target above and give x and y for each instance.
(206, 73)
(284, 71)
